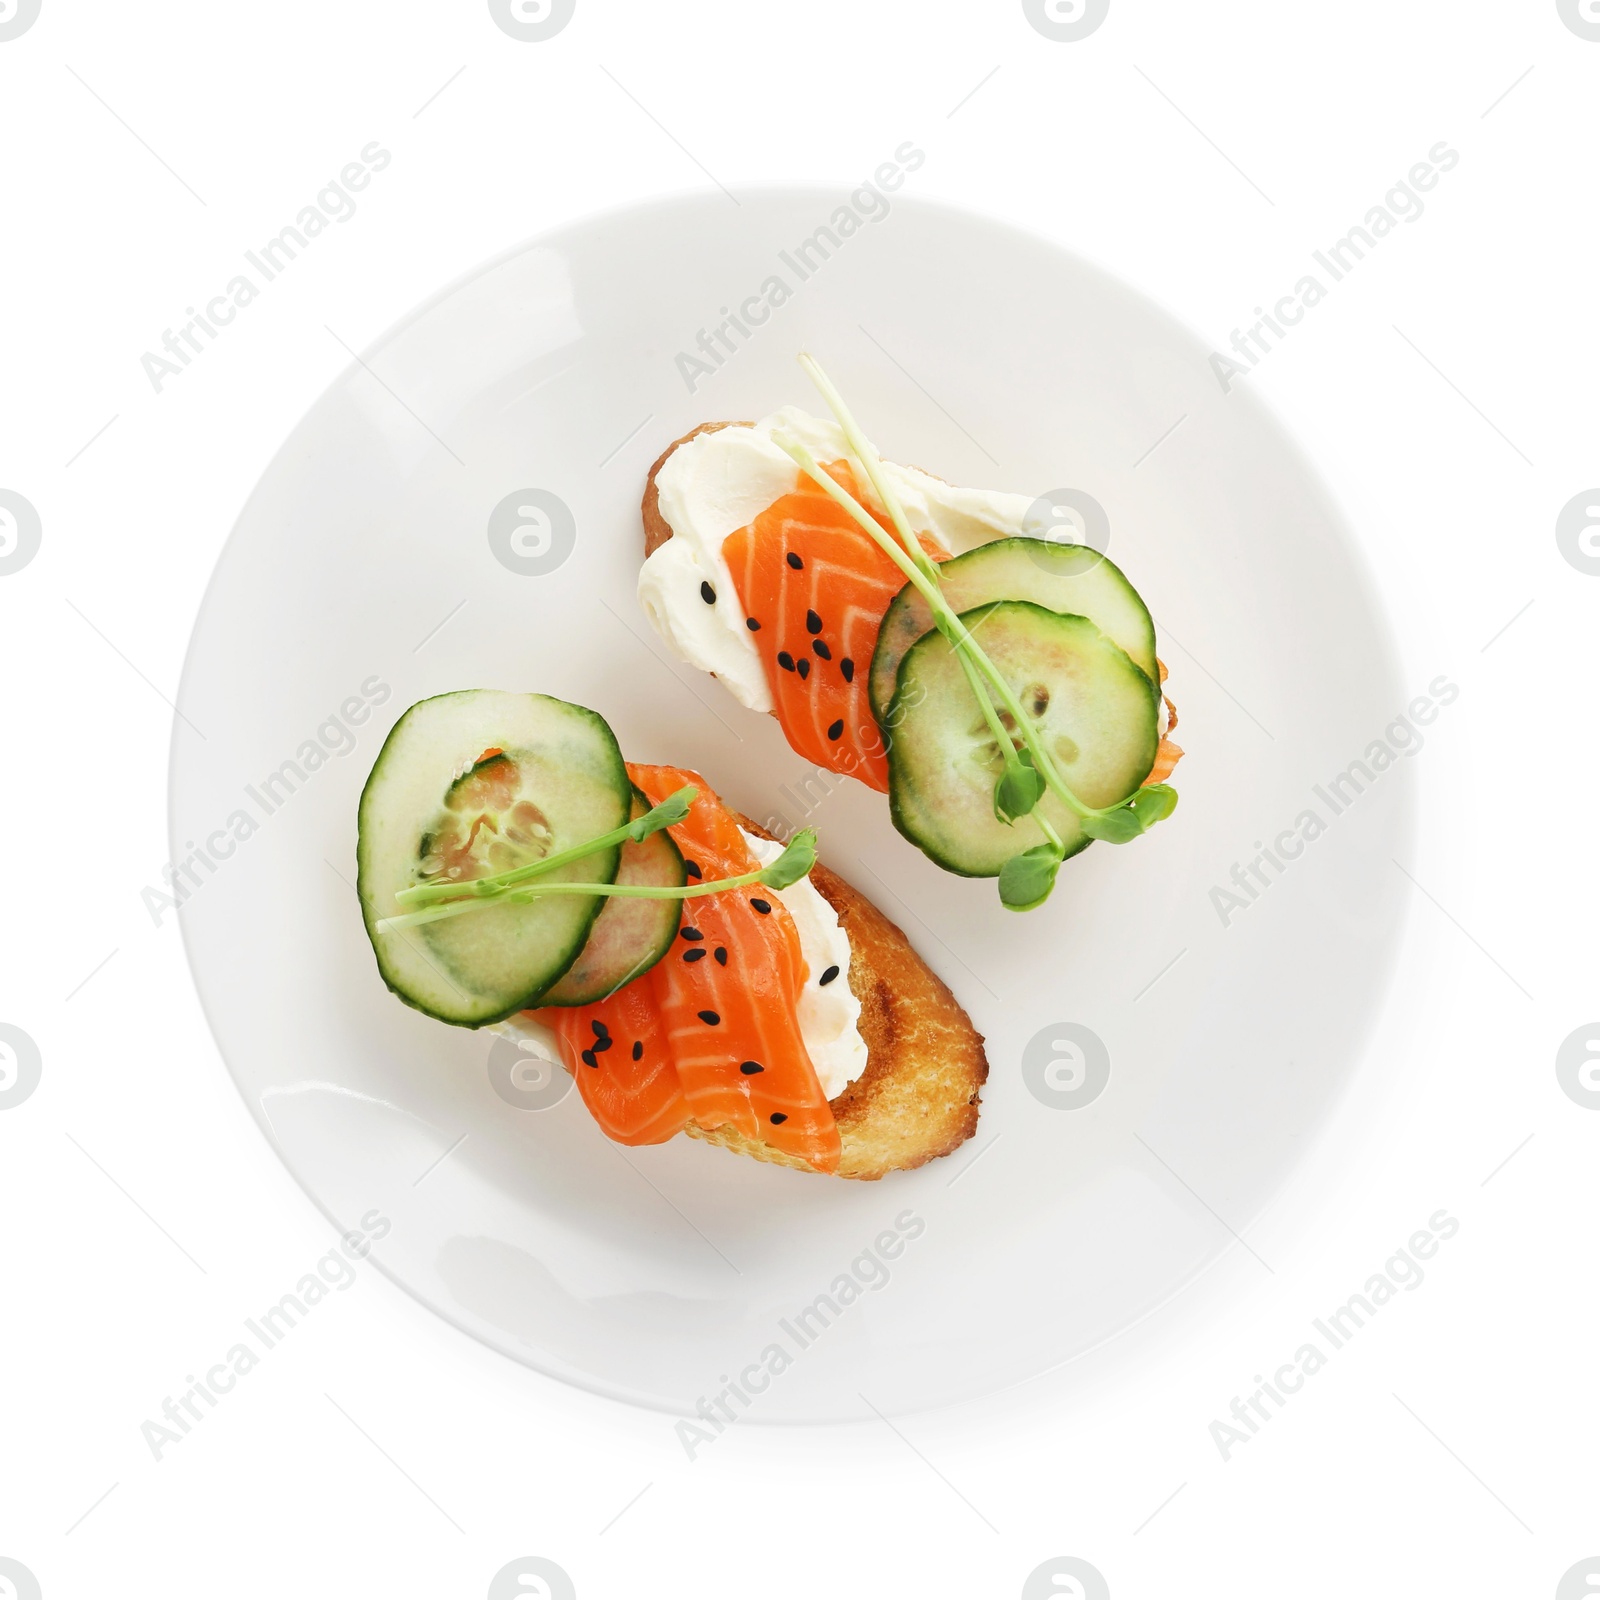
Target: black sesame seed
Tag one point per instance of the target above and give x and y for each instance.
(762, 906)
(691, 934)
(710, 1018)
(691, 869)
(602, 1045)
(752, 624)
(836, 729)
(694, 954)
(848, 668)
(822, 649)
(828, 976)
(721, 955)
(638, 1049)
(786, 661)
(600, 1029)
(803, 667)
(588, 1058)
(750, 1068)
(813, 622)
(708, 594)
(777, 1117)
(794, 561)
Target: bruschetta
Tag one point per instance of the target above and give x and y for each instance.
(693, 974)
(1001, 687)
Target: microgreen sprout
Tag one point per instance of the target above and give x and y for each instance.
(1027, 772)
(789, 868)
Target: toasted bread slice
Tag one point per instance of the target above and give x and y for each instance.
(657, 530)
(918, 1098)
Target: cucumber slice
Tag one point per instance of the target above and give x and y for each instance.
(1067, 578)
(1096, 712)
(474, 783)
(629, 936)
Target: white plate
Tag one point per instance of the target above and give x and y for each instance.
(988, 357)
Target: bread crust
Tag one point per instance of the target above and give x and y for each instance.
(657, 530)
(917, 1100)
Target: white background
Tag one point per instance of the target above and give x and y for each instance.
(1445, 388)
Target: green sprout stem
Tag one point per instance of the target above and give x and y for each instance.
(973, 660)
(950, 624)
(671, 810)
(521, 896)
(1002, 740)
(866, 453)
(1056, 841)
(1029, 877)
(796, 861)
(981, 694)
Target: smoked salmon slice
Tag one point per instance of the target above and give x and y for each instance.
(815, 586)
(711, 1034)
(618, 1055)
(1168, 754)
(728, 992)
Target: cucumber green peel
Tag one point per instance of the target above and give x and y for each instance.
(1027, 879)
(438, 901)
